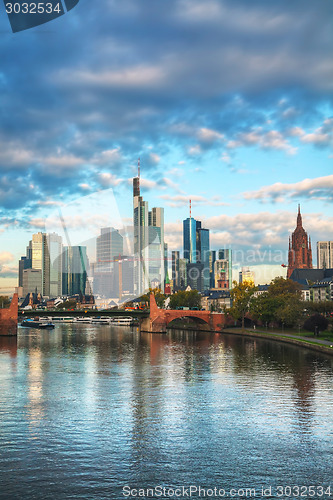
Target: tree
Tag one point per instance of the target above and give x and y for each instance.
(316, 321)
(159, 296)
(68, 304)
(242, 295)
(191, 299)
(4, 301)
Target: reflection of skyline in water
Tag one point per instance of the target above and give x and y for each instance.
(101, 408)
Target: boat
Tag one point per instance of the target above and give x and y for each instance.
(63, 319)
(122, 321)
(84, 320)
(36, 323)
(101, 321)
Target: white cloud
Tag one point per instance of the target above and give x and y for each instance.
(319, 189)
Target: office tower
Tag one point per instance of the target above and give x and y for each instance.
(109, 245)
(45, 250)
(183, 273)
(175, 270)
(53, 265)
(195, 276)
(109, 248)
(190, 240)
(157, 248)
(300, 253)
(325, 254)
(148, 242)
(212, 259)
(246, 275)
(196, 251)
(32, 281)
(74, 274)
(203, 255)
(24, 263)
(166, 266)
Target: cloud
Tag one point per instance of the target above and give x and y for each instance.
(272, 139)
(183, 200)
(319, 188)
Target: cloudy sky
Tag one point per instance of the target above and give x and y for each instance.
(226, 102)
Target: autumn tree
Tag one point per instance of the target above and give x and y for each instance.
(241, 295)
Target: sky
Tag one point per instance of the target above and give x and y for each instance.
(226, 102)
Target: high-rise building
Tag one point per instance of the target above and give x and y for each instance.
(300, 253)
(196, 251)
(109, 245)
(246, 275)
(109, 248)
(148, 242)
(190, 240)
(175, 269)
(45, 251)
(325, 254)
(226, 254)
(74, 274)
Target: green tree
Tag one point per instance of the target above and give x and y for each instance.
(316, 321)
(191, 299)
(159, 297)
(282, 303)
(241, 295)
(4, 301)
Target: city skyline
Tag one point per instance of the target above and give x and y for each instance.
(226, 103)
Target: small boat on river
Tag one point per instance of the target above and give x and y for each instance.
(36, 323)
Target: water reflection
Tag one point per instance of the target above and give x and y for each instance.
(86, 410)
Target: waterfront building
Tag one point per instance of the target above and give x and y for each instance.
(300, 253)
(74, 273)
(324, 254)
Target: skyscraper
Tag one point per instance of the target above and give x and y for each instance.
(148, 229)
(74, 274)
(190, 240)
(109, 246)
(325, 254)
(300, 253)
(45, 250)
(196, 251)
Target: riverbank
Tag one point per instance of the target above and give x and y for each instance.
(319, 345)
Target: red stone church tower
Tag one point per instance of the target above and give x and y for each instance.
(300, 253)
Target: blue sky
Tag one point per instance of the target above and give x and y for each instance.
(226, 102)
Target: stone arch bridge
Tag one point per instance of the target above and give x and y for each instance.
(158, 319)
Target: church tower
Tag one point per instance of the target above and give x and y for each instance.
(300, 253)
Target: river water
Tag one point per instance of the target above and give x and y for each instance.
(100, 412)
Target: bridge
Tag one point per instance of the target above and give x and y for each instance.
(8, 318)
(159, 319)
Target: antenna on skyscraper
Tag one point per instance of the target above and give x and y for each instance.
(139, 168)
(190, 209)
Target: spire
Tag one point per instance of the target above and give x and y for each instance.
(299, 217)
(190, 209)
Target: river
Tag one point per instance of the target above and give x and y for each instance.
(100, 412)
